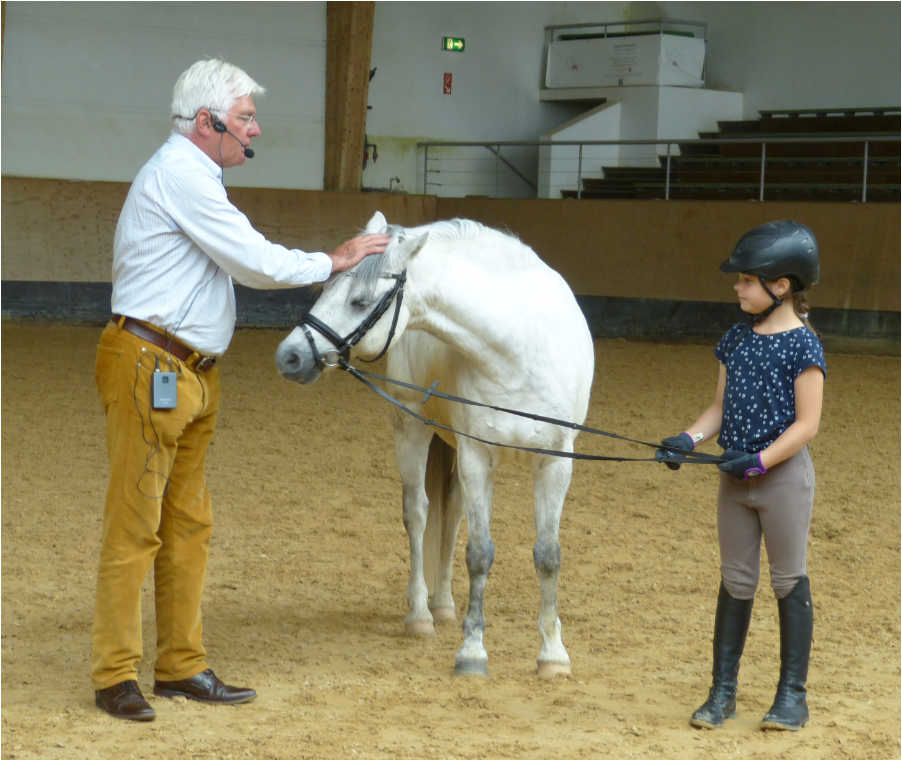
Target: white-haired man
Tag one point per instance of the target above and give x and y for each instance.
(179, 244)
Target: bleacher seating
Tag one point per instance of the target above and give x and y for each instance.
(798, 170)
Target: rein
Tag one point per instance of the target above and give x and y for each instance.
(339, 356)
(678, 455)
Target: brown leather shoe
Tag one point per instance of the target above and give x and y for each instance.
(124, 701)
(205, 687)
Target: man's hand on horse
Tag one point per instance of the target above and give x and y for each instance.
(672, 459)
(353, 251)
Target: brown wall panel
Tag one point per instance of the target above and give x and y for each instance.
(316, 220)
(63, 231)
(59, 230)
(672, 249)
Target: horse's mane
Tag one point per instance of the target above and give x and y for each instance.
(372, 268)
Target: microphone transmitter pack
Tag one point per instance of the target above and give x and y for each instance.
(164, 390)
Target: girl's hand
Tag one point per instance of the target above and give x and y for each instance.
(670, 458)
(742, 465)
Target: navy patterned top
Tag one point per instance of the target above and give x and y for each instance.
(759, 398)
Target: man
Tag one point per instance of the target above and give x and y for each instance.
(178, 245)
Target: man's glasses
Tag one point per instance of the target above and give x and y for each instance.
(248, 119)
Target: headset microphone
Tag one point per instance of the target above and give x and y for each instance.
(220, 127)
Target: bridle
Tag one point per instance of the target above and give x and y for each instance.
(344, 345)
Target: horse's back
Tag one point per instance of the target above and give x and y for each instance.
(554, 348)
(518, 294)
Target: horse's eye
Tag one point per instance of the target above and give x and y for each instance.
(358, 303)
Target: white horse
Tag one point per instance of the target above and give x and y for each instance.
(481, 313)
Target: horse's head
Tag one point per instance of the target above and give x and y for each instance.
(359, 313)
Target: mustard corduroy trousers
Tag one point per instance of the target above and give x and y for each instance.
(157, 511)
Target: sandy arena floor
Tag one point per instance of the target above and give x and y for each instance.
(305, 588)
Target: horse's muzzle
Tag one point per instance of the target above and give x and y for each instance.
(295, 362)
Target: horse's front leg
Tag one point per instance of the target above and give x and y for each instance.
(475, 475)
(412, 451)
(551, 481)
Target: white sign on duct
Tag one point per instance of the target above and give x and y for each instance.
(652, 59)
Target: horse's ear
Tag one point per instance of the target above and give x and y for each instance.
(408, 248)
(377, 224)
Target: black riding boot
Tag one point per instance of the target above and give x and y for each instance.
(731, 624)
(790, 709)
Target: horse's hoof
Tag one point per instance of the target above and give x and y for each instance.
(419, 629)
(552, 668)
(471, 668)
(443, 614)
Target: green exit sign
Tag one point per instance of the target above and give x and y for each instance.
(455, 44)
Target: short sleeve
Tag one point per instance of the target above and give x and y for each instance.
(720, 351)
(810, 353)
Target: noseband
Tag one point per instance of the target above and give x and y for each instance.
(344, 345)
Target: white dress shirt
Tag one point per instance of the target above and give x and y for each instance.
(180, 242)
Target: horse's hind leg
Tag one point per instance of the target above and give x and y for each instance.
(552, 478)
(442, 603)
(412, 450)
(475, 476)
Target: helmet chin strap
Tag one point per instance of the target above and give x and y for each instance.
(758, 317)
(777, 301)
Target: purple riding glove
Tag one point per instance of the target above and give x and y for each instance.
(742, 465)
(671, 458)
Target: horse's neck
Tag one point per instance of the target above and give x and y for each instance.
(459, 303)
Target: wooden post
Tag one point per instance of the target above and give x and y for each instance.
(349, 40)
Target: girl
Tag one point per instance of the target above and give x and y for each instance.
(766, 410)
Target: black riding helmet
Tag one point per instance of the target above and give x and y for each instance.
(777, 249)
(774, 250)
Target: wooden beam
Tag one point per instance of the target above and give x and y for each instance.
(349, 41)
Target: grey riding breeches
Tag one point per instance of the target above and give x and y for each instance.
(777, 506)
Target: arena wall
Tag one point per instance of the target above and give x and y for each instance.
(644, 269)
(672, 250)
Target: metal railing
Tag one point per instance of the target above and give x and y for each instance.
(660, 161)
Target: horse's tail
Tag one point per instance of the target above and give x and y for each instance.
(439, 467)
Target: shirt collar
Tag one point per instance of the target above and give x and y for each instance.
(183, 145)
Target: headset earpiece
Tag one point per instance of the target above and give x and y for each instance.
(220, 127)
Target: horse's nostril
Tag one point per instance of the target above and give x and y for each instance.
(291, 361)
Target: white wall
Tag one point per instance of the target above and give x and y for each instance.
(495, 91)
(87, 86)
(792, 55)
(562, 167)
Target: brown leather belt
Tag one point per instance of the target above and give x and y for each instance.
(175, 348)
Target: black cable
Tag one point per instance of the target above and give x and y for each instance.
(154, 448)
(221, 160)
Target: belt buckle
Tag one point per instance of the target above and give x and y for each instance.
(204, 364)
